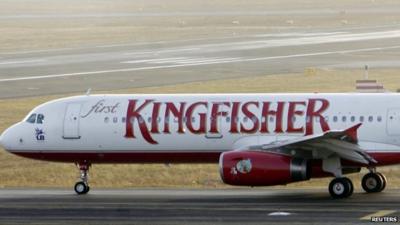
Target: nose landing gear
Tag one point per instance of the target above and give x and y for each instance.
(82, 186)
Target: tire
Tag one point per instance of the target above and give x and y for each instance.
(373, 182)
(351, 186)
(81, 188)
(384, 181)
(341, 187)
(87, 189)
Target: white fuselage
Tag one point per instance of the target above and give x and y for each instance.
(201, 122)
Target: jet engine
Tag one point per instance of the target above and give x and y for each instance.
(258, 168)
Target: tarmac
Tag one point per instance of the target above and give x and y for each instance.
(166, 206)
(112, 67)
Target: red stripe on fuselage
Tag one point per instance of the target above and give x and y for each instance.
(383, 158)
(125, 157)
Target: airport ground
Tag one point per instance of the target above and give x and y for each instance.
(51, 49)
(159, 206)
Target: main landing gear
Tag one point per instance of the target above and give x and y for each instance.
(373, 182)
(82, 186)
(342, 187)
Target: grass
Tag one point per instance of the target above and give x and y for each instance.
(20, 172)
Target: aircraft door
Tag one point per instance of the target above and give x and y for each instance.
(393, 122)
(71, 121)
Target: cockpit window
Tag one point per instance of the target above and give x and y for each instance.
(35, 118)
(40, 118)
(31, 118)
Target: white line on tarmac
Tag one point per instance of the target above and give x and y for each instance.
(279, 41)
(21, 62)
(162, 51)
(153, 60)
(195, 64)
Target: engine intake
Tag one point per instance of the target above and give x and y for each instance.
(257, 168)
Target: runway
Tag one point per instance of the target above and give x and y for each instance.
(111, 67)
(159, 206)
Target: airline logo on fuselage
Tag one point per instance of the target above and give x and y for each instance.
(183, 112)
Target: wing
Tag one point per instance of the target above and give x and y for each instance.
(341, 142)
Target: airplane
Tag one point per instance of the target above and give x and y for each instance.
(257, 139)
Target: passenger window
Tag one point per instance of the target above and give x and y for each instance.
(370, 118)
(193, 119)
(335, 119)
(352, 118)
(361, 118)
(123, 120)
(115, 119)
(271, 119)
(344, 118)
(40, 118)
(32, 118)
(228, 119)
(245, 119)
(106, 119)
(149, 119)
(379, 118)
(326, 118)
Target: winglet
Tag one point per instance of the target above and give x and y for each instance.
(351, 133)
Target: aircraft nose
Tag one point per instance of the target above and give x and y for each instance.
(1, 140)
(6, 139)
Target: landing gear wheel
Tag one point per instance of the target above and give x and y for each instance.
(81, 188)
(373, 182)
(384, 181)
(351, 187)
(341, 187)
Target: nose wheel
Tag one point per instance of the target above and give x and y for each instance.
(373, 182)
(82, 187)
(341, 187)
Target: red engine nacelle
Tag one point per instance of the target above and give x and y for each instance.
(257, 168)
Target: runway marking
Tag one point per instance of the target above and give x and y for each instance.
(380, 213)
(181, 60)
(153, 60)
(299, 34)
(195, 64)
(279, 214)
(163, 51)
(285, 39)
(298, 41)
(21, 62)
